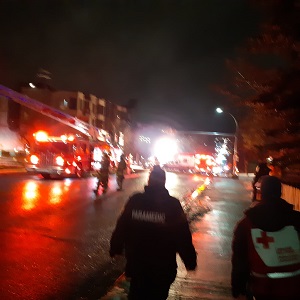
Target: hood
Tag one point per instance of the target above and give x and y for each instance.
(270, 188)
(270, 216)
(156, 190)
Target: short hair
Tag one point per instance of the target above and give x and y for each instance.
(270, 187)
(157, 177)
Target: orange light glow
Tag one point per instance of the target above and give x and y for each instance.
(29, 196)
(41, 136)
(71, 138)
(196, 177)
(55, 195)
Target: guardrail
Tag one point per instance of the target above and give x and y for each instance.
(291, 195)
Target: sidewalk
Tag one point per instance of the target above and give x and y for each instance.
(10, 165)
(212, 239)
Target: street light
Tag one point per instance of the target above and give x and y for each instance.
(235, 153)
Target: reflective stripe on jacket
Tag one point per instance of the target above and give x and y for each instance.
(274, 259)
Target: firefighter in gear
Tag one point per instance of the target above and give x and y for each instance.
(103, 174)
(266, 248)
(122, 167)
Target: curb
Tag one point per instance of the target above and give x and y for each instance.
(12, 170)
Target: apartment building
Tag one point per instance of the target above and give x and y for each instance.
(89, 108)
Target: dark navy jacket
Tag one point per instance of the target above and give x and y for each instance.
(152, 229)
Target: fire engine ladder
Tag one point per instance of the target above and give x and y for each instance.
(85, 128)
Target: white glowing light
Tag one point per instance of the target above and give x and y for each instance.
(32, 85)
(165, 149)
(145, 139)
(194, 194)
(41, 136)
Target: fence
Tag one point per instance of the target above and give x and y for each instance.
(291, 195)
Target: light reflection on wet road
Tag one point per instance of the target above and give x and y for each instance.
(212, 238)
(55, 234)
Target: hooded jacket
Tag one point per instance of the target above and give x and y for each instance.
(270, 215)
(262, 169)
(152, 229)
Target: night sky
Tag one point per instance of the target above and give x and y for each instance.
(164, 54)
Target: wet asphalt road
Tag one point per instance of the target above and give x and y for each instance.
(212, 229)
(54, 235)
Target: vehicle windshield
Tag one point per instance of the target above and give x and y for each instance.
(57, 147)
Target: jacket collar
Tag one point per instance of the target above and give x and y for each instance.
(156, 190)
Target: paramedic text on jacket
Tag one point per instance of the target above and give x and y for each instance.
(151, 230)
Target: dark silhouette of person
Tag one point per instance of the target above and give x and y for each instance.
(266, 248)
(262, 169)
(150, 231)
(103, 174)
(121, 169)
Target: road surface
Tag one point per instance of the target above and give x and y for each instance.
(54, 235)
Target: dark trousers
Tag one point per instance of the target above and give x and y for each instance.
(102, 180)
(120, 179)
(147, 287)
(254, 191)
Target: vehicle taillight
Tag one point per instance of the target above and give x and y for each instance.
(34, 159)
(60, 161)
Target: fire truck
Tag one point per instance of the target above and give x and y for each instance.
(191, 163)
(67, 154)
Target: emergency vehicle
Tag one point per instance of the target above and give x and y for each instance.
(191, 163)
(204, 163)
(66, 154)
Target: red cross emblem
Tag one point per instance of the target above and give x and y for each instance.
(265, 240)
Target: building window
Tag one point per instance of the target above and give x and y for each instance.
(85, 108)
(73, 103)
(100, 110)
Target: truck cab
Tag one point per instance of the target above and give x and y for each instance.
(66, 155)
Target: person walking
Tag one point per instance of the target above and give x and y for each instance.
(266, 248)
(150, 231)
(103, 174)
(262, 169)
(121, 169)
